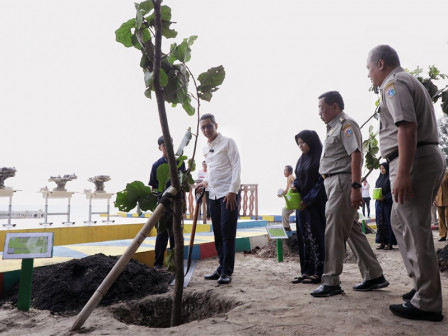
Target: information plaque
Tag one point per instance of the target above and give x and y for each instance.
(276, 231)
(24, 245)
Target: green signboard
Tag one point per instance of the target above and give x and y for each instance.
(28, 245)
(276, 231)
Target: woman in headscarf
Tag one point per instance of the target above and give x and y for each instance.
(383, 207)
(311, 217)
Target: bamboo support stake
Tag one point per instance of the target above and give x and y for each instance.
(120, 265)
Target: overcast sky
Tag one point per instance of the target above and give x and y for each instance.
(72, 98)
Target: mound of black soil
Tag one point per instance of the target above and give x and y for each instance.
(66, 287)
(442, 257)
(290, 248)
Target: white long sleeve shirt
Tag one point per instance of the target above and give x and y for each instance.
(365, 190)
(223, 167)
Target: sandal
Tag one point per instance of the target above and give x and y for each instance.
(388, 247)
(381, 247)
(300, 279)
(312, 279)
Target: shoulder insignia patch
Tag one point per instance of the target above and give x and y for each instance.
(391, 90)
(348, 131)
(387, 85)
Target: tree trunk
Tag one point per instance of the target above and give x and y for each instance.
(176, 314)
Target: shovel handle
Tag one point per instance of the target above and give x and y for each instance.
(198, 197)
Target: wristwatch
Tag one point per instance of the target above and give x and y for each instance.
(356, 185)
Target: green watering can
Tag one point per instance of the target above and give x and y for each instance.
(293, 200)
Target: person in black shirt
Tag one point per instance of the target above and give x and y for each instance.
(165, 224)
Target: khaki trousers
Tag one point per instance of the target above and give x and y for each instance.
(286, 213)
(411, 225)
(443, 220)
(342, 226)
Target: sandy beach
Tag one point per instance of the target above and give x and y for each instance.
(264, 302)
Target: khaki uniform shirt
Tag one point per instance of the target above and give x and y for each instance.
(289, 181)
(404, 98)
(442, 194)
(343, 138)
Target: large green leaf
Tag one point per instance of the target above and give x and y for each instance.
(205, 96)
(136, 192)
(148, 202)
(146, 6)
(370, 147)
(124, 34)
(182, 52)
(163, 176)
(137, 189)
(188, 108)
(210, 80)
(181, 160)
(165, 12)
(123, 203)
(168, 33)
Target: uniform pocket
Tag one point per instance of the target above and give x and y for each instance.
(331, 140)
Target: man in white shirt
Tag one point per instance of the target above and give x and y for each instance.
(223, 181)
(365, 192)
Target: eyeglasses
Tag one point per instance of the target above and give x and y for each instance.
(209, 126)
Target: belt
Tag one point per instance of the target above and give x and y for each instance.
(395, 154)
(324, 176)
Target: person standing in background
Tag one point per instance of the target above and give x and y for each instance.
(165, 224)
(442, 207)
(383, 208)
(286, 213)
(434, 220)
(365, 192)
(201, 175)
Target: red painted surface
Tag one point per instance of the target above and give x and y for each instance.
(208, 250)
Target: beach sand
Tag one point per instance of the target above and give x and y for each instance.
(265, 303)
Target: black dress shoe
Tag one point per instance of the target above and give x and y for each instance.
(409, 295)
(407, 310)
(224, 279)
(442, 239)
(214, 276)
(368, 285)
(324, 291)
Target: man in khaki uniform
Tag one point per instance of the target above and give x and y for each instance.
(409, 142)
(442, 207)
(340, 166)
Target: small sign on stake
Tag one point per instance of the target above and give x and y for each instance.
(27, 246)
(277, 232)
